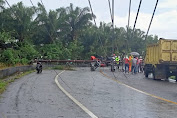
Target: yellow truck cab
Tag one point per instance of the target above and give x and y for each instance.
(161, 59)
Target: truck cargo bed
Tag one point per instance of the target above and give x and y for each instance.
(165, 51)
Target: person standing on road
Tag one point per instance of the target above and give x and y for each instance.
(141, 64)
(134, 65)
(126, 62)
(117, 61)
(130, 63)
(138, 65)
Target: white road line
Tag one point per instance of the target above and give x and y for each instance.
(3, 115)
(73, 99)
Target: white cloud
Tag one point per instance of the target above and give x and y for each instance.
(168, 4)
(164, 24)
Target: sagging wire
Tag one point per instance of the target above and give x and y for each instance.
(15, 14)
(96, 26)
(45, 26)
(110, 10)
(151, 19)
(136, 18)
(128, 25)
(50, 21)
(129, 14)
(113, 36)
(112, 20)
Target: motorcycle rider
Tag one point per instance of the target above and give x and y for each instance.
(39, 67)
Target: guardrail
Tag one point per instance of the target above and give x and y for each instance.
(46, 63)
(13, 70)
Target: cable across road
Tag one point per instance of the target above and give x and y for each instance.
(45, 27)
(110, 10)
(128, 25)
(96, 25)
(16, 15)
(136, 17)
(151, 19)
(51, 21)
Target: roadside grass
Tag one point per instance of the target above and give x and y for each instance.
(3, 85)
(6, 81)
(62, 67)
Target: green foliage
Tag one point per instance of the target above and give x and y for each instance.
(4, 82)
(51, 51)
(21, 55)
(10, 56)
(27, 51)
(64, 33)
(3, 85)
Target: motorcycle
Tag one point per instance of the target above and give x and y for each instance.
(94, 65)
(39, 68)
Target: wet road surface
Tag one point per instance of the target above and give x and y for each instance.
(161, 88)
(37, 96)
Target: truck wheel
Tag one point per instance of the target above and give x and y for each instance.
(112, 68)
(154, 78)
(167, 76)
(146, 74)
(154, 74)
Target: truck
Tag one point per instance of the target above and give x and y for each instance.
(161, 59)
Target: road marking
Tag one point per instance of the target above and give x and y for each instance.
(73, 99)
(4, 116)
(154, 96)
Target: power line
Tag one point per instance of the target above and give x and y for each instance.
(15, 13)
(109, 3)
(136, 17)
(92, 11)
(96, 25)
(112, 19)
(113, 36)
(129, 13)
(113, 25)
(113, 13)
(128, 25)
(8, 3)
(45, 26)
(151, 19)
(51, 21)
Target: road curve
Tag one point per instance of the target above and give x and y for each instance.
(37, 96)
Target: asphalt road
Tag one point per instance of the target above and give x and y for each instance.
(104, 94)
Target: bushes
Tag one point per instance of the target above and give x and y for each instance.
(20, 55)
(9, 57)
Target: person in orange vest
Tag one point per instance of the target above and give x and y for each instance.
(130, 63)
(92, 58)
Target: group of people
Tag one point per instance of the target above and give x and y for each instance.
(133, 64)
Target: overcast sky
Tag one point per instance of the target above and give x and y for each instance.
(164, 23)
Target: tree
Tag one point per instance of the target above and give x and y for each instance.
(18, 20)
(75, 21)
